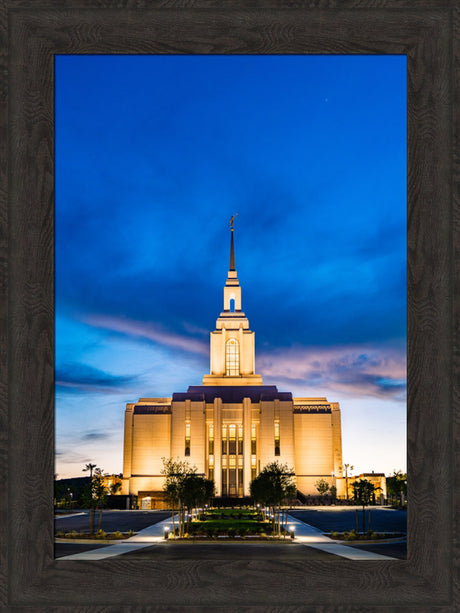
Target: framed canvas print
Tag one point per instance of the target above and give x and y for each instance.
(158, 155)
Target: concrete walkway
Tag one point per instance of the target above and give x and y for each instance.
(312, 537)
(304, 534)
(144, 538)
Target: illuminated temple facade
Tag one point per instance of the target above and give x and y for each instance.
(232, 425)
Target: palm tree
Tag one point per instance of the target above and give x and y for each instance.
(89, 467)
(345, 468)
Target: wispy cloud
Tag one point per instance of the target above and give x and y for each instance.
(80, 378)
(148, 331)
(360, 371)
(95, 435)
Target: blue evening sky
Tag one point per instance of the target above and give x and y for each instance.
(153, 156)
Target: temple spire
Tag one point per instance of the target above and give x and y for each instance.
(232, 249)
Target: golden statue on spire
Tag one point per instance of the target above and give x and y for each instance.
(231, 220)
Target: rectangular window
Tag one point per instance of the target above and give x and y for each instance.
(253, 439)
(224, 440)
(240, 481)
(211, 473)
(187, 439)
(232, 358)
(211, 439)
(224, 482)
(240, 440)
(232, 439)
(277, 437)
(232, 481)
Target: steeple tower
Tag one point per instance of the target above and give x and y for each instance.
(232, 343)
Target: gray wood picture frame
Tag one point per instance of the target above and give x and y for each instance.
(32, 32)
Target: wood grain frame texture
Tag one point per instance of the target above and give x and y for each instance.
(32, 32)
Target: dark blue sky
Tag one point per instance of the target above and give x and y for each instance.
(153, 156)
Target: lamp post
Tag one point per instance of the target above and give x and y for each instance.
(166, 532)
(292, 531)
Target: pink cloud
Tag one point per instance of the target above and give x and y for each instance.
(358, 370)
(149, 332)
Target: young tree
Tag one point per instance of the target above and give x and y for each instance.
(94, 496)
(362, 493)
(397, 484)
(175, 472)
(333, 492)
(322, 486)
(272, 487)
(185, 490)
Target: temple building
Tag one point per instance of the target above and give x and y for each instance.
(232, 425)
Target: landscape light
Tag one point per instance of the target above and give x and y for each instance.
(166, 532)
(292, 531)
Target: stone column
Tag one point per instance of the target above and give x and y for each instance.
(247, 418)
(217, 416)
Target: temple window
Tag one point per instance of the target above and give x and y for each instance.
(232, 358)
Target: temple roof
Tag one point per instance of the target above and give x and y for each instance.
(232, 393)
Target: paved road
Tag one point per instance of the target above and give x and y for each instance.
(291, 552)
(112, 520)
(344, 518)
(394, 550)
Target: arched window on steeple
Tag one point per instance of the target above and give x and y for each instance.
(232, 358)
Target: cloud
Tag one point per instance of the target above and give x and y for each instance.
(81, 378)
(148, 331)
(95, 435)
(357, 371)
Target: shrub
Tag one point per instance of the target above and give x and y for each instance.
(117, 534)
(59, 533)
(101, 534)
(350, 536)
(130, 533)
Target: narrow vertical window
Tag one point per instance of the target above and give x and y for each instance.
(211, 468)
(232, 439)
(240, 440)
(240, 476)
(232, 475)
(224, 440)
(277, 437)
(253, 467)
(211, 440)
(187, 438)
(224, 477)
(253, 439)
(232, 358)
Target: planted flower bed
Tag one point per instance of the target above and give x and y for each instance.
(366, 536)
(228, 523)
(100, 534)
